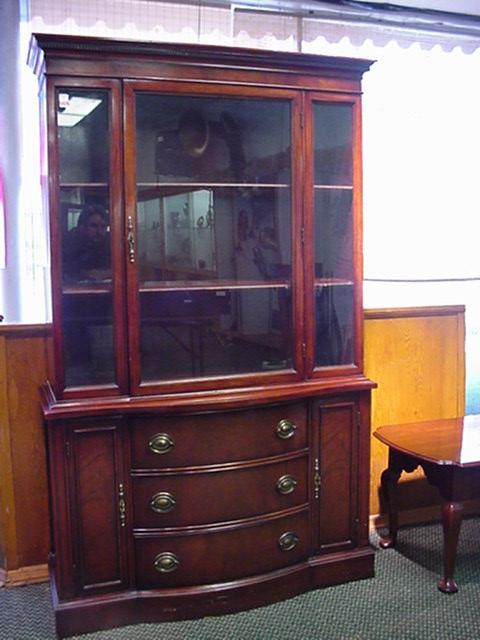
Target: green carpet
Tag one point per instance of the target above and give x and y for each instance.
(401, 602)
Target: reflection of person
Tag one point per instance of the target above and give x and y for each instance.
(86, 250)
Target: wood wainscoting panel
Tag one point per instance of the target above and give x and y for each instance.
(417, 357)
(24, 520)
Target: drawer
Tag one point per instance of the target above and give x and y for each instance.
(214, 438)
(171, 500)
(206, 557)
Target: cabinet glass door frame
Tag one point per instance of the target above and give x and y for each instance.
(205, 90)
(113, 187)
(311, 282)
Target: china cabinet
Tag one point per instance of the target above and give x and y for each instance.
(207, 416)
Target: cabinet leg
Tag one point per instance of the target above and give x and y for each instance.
(451, 521)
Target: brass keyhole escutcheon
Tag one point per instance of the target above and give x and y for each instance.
(166, 562)
(162, 502)
(288, 541)
(285, 429)
(161, 443)
(286, 484)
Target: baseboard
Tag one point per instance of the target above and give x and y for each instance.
(24, 575)
(422, 515)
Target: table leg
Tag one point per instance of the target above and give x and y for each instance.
(451, 521)
(389, 479)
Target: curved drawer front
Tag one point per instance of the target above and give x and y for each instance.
(214, 496)
(181, 441)
(222, 555)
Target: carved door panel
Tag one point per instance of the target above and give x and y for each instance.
(97, 505)
(337, 468)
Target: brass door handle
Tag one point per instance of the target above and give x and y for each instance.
(122, 509)
(166, 562)
(162, 502)
(286, 428)
(130, 239)
(161, 443)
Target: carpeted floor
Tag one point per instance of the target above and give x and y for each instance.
(402, 602)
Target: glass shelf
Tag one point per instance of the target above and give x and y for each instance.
(206, 185)
(81, 185)
(90, 288)
(333, 186)
(212, 285)
(332, 282)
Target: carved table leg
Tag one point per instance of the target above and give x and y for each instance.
(389, 481)
(451, 522)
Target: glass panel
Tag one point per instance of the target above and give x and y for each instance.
(334, 331)
(194, 333)
(333, 144)
(84, 229)
(215, 234)
(333, 230)
(82, 119)
(333, 234)
(198, 139)
(88, 336)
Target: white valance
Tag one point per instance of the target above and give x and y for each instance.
(285, 24)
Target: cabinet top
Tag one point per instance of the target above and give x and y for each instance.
(47, 48)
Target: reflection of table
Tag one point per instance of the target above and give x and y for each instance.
(449, 453)
(196, 330)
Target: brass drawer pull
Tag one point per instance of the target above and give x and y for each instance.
(161, 443)
(166, 562)
(162, 502)
(288, 541)
(286, 484)
(286, 429)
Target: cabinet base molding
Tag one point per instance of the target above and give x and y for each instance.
(167, 605)
(24, 575)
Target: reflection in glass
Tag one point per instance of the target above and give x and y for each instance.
(188, 333)
(86, 252)
(88, 337)
(201, 139)
(333, 144)
(84, 229)
(334, 330)
(333, 234)
(82, 119)
(214, 234)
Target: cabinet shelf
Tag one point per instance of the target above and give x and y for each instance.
(212, 285)
(216, 185)
(83, 185)
(333, 187)
(91, 288)
(332, 282)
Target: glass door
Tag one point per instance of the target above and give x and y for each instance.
(209, 222)
(85, 210)
(336, 262)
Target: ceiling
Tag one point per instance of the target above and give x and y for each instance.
(462, 7)
(471, 7)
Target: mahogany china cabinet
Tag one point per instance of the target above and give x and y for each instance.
(207, 416)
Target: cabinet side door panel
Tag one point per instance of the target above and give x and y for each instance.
(98, 488)
(338, 472)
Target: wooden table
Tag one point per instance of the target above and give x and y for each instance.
(449, 453)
